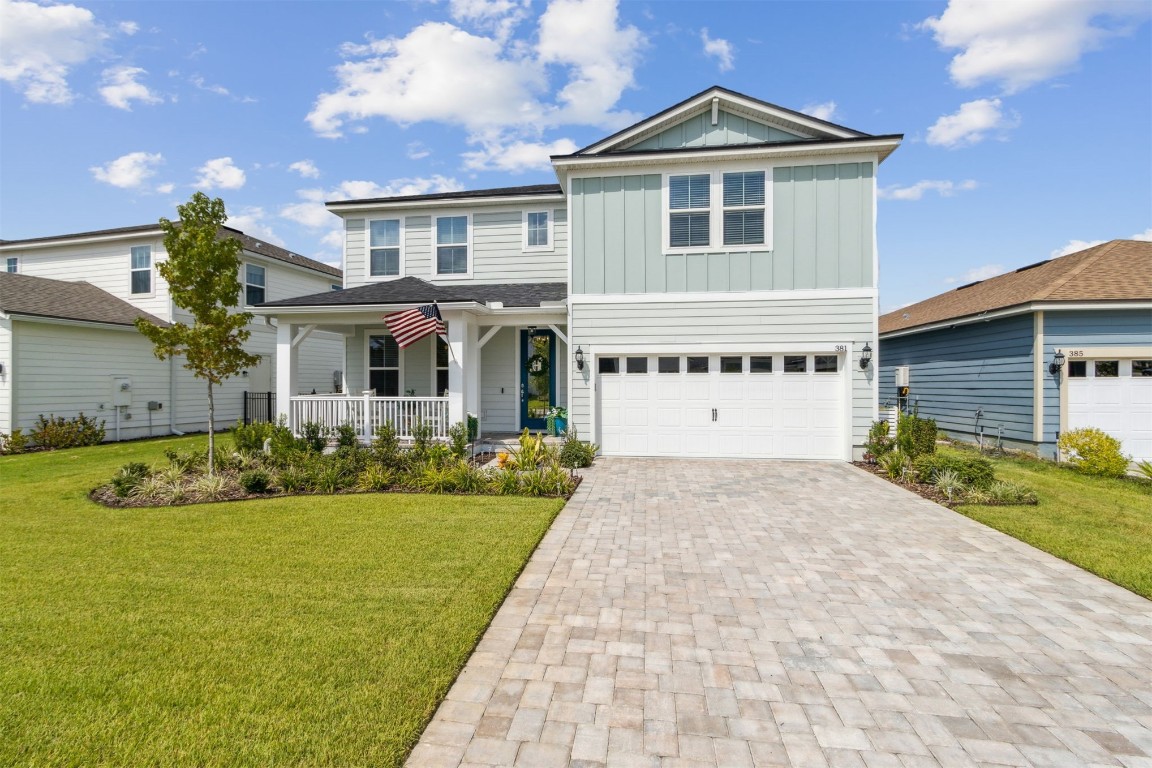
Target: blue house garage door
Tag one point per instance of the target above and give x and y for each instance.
(1115, 396)
(723, 406)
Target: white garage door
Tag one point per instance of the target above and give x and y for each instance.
(1115, 396)
(752, 406)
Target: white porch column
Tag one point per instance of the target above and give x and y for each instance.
(463, 366)
(286, 367)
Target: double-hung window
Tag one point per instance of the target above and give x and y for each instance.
(12, 264)
(384, 366)
(384, 248)
(744, 208)
(255, 284)
(141, 269)
(452, 245)
(689, 211)
(538, 231)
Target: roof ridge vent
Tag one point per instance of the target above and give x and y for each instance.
(969, 285)
(1033, 266)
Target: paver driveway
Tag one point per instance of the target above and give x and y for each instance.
(759, 613)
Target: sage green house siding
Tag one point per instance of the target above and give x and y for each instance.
(698, 131)
(821, 224)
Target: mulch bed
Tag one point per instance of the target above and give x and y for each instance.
(929, 492)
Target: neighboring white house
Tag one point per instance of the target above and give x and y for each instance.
(67, 343)
(702, 283)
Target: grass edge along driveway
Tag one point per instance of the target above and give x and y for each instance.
(309, 630)
(1099, 524)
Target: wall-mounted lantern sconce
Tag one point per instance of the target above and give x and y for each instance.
(865, 356)
(1056, 364)
(243, 374)
(531, 330)
(579, 358)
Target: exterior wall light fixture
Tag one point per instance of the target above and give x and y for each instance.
(1057, 363)
(865, 356)
(579, 358)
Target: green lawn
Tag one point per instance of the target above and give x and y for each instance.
(1101, 525)
(303, 631)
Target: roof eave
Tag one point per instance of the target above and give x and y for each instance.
(1018, 309)
(348, 206)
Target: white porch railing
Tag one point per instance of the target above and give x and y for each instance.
(366, 413)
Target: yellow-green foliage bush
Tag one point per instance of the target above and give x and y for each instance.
(1093, 452)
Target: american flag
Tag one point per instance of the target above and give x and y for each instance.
(413, 324)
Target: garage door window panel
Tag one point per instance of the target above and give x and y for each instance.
(731, 365)
(668, 365)
(637, 365)
(1077, 369)
(1142, 368)
(795, 364)
(1107, 369)
(757, 364)
(826, 363)
(608, 365)
(697, 365)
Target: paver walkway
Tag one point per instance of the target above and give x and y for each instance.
(721, 613)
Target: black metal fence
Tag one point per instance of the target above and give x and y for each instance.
(259, 406)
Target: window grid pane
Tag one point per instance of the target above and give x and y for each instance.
(743, 227)
(452, 230)
(13, 264)
(452, 260)
(385, 234)
(538, 228)
(689, 230)
(142, 257)
(743, 189)
(254, 275)
(254, 294)
(385, 262)
(689, 191)
(141, 281)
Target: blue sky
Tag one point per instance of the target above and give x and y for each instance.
(1028, 124)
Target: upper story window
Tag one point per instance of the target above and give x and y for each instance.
(141, 271)
(12, 264)
(384, 248)
(452, 245)
(689, 211)
(744, 208)
(255, 284)
(538, 231)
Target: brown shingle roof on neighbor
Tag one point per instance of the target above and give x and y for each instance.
(1119, 270)
(248, 242)
(60, 299)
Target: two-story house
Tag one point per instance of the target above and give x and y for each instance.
(68, 344)
(702, 283)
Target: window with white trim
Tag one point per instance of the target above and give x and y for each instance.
(744, 208)
(255, 284)
(441, 368)
(689, 211)
(141, 272)
(12, 264)
(538, 231)
(452, 245)
(384, 366)
(384, 248)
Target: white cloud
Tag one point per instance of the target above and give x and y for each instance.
(166, 188)
(495, 88)
(219, 90)
(976, 274)
(306, 168)
(253, 221)
(720, 49)
(971, 124)
(39, 44)
(823, 111)
(128, 171)
(129, 27)
(916, 191)
(417, 150)
(220, 173)
(121, 88)
(1023, 42)
(518, 156)
(311, 213)
(1072, 246)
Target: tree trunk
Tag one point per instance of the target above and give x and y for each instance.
(211, 433)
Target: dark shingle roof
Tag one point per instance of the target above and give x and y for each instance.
(530, 190)
(247, 241)
(1114, 271)
(413, 290)
(41, 297)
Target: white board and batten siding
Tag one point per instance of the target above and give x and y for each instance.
(496, 255)
(778, 415)
(6, 375)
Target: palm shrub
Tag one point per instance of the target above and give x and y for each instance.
(375, 477)
(505, 482)
(948, 482)
(1004, 492)
(895, 464)
(1093, 452)
(465, 478)
(128, 477)
(974, 471)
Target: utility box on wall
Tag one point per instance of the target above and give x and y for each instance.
(901, 372)
(121, 391)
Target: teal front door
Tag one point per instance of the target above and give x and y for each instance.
(537, 378)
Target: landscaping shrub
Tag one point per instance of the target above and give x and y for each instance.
(210, 487)
(421, 439)
(505, 482)
(58, 432)
(314, 435)
(1093, 452)
(186, 461)
(880, 440)
(972, 471)
(458, 439)
(895, 464)
(256, 481)
(385, 448)
(1145, 468)
(128, 477)
(347, 437)
(948, 482)
(466, 478)
(375, 477)
(575, 453)
(295, 479)
(915, 436)
(14, 443)
(1004, 492)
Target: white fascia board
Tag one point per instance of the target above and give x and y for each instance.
(57, 242)
(66, 321)
(881, 147)
(340, 208)
(1019, 309)
(684, 298)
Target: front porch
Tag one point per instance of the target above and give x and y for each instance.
(368, 413)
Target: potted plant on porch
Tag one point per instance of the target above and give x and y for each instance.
(557, 421)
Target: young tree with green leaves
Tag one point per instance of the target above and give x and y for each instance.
(203, 274)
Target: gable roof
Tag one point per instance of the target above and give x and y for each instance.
(63, 300)
(791, 120)
(1120, 270)
(248, 242)
(413, 290)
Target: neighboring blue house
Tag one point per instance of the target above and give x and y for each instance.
(1020, 358)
